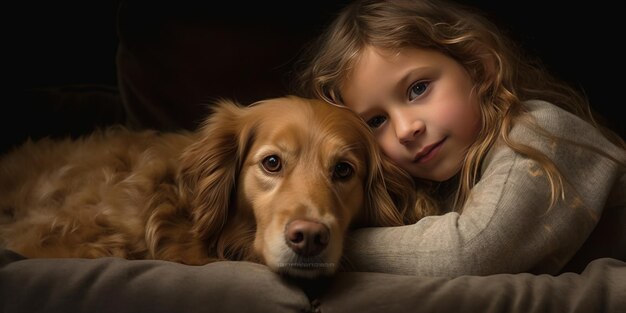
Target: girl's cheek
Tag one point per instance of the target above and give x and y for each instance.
(451, 115)
(462, 116)
(390, 149)
(474, 124)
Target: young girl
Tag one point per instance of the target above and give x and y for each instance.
(524, 178)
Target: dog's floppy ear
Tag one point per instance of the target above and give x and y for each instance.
(210, 166)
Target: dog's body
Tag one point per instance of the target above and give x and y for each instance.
(279, 182)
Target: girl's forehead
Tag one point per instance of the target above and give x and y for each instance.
(372, 62)
(394, 59)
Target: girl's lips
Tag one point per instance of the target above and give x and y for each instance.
(429, 152)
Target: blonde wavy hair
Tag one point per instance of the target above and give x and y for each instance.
(503, 76)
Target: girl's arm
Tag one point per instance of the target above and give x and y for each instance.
(506, 225)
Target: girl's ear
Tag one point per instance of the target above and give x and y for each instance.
(209, 169)
(391, 197)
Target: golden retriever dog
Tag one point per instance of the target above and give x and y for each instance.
(279, 182)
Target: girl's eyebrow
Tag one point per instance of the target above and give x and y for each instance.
(363, 109)
(408, 77)
(419, 71)
(411, 74)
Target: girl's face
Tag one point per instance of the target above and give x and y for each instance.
(419, 104)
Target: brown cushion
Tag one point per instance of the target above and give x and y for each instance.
(118, 285)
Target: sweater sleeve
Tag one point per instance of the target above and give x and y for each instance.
(506, 225)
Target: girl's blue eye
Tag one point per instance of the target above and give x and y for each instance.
(376, 121)
(417, 89)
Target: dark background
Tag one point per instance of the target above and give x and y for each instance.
(61, 42)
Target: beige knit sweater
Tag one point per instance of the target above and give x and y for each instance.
(505, 226)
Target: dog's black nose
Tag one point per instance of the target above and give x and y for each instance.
(307, 238)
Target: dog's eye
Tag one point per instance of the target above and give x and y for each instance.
(272, 163)
(342, 171)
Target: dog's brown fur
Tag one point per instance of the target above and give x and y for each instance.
(198, 197)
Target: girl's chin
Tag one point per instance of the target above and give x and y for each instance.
(436, 175)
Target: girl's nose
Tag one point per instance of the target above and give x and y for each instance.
(408, 128)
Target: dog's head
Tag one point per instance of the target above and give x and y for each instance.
(281, 182)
